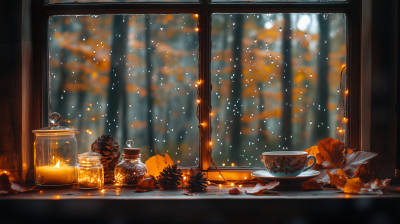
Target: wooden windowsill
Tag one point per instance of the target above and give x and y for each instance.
(124, 205)
(112, 192)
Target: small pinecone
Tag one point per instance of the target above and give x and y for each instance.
(196, 182)
(109, 150)
(170, 177)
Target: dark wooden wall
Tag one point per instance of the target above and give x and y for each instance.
(378, 84)
(16, 86)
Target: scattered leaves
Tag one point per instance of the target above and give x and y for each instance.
(190, 193)
(311, 184)
(262, 187)
(11, 183)
(147, 183)
(157, 163)
(235, 190)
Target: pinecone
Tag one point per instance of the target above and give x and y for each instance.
(196, 182)
(109, 150)
(170, 177)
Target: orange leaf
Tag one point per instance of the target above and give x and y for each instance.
(311, 184)
(353, 186)
(363, 174)
(338, 180)
(315, 152)
(332, 150)
(262, 187)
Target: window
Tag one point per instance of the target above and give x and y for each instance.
(227, 62)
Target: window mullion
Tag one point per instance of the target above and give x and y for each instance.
(204, 87)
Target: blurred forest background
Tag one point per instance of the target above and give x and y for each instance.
(275, 81)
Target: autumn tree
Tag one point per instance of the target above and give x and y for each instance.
(286, 85)
(236, 87)
(321, 104)
(116, 86)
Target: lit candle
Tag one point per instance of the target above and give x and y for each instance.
(55, 175)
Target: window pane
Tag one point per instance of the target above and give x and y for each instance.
(275, 80)
(131, 76)
(86, 1)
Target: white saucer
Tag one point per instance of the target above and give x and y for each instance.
(286, 181)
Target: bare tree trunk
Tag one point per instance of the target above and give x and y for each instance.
(286, 132)
(321, 107)
(149, 72)
(116, 86)
(236, 86)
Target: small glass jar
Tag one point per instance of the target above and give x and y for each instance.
(90, 171)
(55, 154)
(130, 170)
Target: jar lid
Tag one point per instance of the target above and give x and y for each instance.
(55, 127)
(89, 158)
(131, 151)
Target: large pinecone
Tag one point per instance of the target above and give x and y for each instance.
(109, 150)
(170, 177)
(196, 182)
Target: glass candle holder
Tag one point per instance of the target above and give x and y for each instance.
(55, 154)
(130, 170)
(90, 171)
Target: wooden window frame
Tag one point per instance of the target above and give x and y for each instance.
(41, 12)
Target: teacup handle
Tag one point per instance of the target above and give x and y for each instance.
(312, 165)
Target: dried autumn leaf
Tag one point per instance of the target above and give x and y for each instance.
(311, 184)
(380, 184)
(352, 186)
(315, 152)
(157, 163)
(4, 181)
(363, 174)
(337, 180)
(351, 165)
(234, 190)
(331, 150)
(262, 187)
(147, 183)
(355, 160)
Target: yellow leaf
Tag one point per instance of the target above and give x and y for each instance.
(168, 160)
(157, 163)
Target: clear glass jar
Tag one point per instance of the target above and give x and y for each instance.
(130, 170)
(55, 154)
(90, 171)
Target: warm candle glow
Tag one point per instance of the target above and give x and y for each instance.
(232, 184)
(196, 29)
(346, 92)
(198, 101)
(210, 143)
(233, 164)
(196, 15)
(223, 164)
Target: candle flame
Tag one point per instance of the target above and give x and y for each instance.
(58, 164)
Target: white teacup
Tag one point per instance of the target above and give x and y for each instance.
(287, 163)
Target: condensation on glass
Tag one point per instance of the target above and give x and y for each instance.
(111, 1)
(275, 83)
(131, 76)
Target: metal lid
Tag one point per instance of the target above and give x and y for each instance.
(89, 159)
(55, 127)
